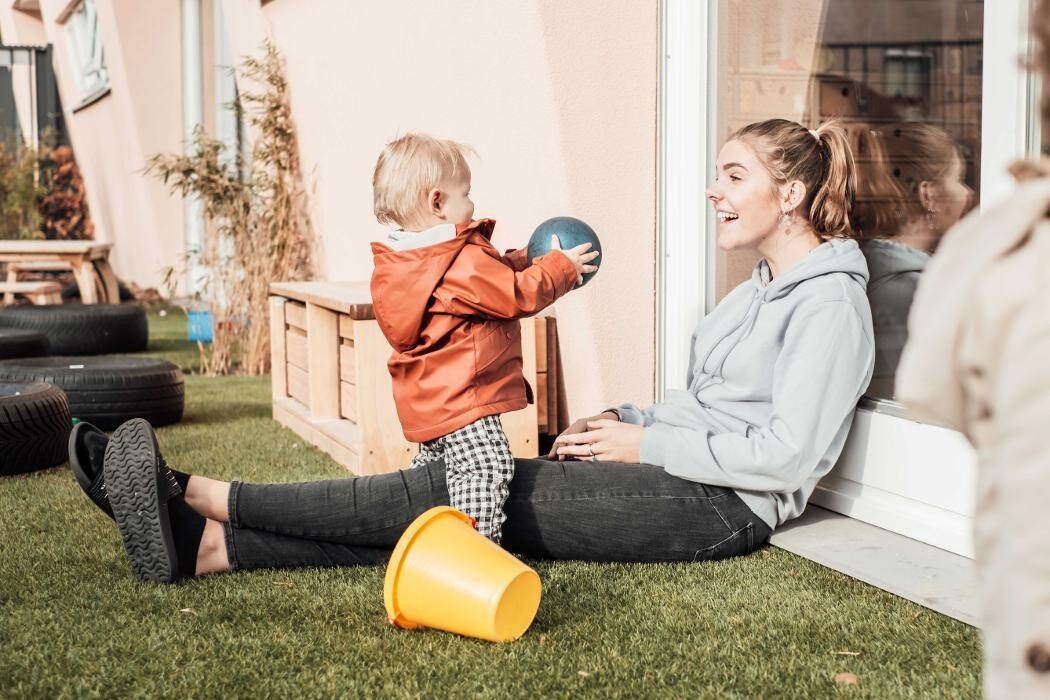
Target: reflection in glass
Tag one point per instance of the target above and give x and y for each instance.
(907, 75)
(911, 191)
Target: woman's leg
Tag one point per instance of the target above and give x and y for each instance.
(340, 522)
(208, 497)
(560, 510)
(602, 511)
(224, 548)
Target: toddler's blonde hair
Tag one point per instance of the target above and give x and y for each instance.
(408, 168)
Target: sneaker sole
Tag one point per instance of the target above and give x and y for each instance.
(135, 493)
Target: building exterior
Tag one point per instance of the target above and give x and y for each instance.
(609, 110)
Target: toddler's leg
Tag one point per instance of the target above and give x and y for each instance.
(428, 452)
(478, 470)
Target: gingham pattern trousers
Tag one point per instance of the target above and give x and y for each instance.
(478, 470)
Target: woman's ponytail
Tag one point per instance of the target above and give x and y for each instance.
(831, 212)
(821, 159)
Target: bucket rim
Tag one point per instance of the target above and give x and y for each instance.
(393, 569)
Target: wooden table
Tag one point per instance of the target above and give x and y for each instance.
(331, 384)
(87, 259)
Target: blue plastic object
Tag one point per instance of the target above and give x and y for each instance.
(200, 326)
(571, 233)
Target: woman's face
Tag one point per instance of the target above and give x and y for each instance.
(744, 197)
(951, 198)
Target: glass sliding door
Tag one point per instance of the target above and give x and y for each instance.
(933, 121)
(905, 78)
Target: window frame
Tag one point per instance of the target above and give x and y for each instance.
(86, 51)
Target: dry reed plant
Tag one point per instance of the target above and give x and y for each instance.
(259, 229)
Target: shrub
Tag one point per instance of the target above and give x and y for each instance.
(259, 227)
(20, 189)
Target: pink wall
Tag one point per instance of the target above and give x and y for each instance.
(113, 137)
(558, 98)
(20, 27)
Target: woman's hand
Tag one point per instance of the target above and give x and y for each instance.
(600, 439)
(580, 426)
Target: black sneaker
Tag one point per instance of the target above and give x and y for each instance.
(87, 449)
(138, 492)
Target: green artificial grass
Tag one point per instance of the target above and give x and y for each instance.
(75, 623)
(167, 338)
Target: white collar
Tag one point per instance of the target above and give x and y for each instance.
(409, 240)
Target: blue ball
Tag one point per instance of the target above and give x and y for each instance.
(571, 233)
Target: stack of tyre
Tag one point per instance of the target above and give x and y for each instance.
(60, 364)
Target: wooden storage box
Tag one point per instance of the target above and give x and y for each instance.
(332, 387)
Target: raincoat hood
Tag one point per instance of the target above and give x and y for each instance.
(413, 274)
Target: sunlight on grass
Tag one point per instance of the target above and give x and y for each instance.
(74, 622)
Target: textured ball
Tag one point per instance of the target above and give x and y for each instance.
(571, 233)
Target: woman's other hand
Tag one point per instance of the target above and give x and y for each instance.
(601, 439)
(580, 426)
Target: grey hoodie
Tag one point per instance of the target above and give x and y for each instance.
(776, 371)
(894, 270)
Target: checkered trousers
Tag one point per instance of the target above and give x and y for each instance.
(478, 470)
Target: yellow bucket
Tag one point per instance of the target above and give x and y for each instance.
(444, 574)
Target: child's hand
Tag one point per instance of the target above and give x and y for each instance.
(578, 256)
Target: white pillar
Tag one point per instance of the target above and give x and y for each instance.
(192, 117)
(225, 86)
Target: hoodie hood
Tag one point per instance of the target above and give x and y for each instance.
(404, 281)
(888, 259)
(832, 256)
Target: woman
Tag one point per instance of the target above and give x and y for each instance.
(910, 190)
(707, 474)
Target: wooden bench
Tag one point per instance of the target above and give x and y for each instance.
(37, 292)
(88, 260)
(332, 387)
(14, 268)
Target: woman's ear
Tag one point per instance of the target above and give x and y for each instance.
(928, 195)
(793, 194)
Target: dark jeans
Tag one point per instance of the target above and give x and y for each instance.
(592, 511)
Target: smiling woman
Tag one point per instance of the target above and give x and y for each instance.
(781, 188)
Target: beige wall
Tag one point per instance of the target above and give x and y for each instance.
(113, 137)
(20, 27)
(558, 98)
